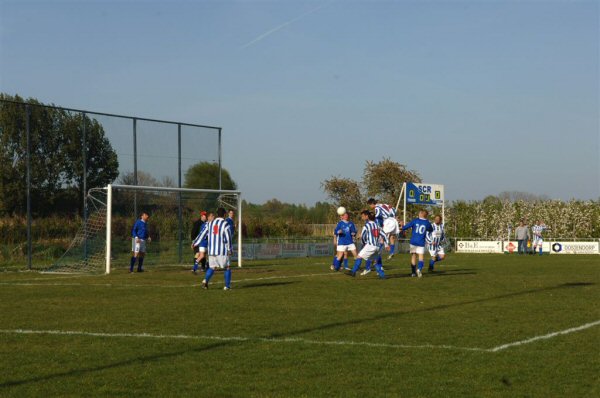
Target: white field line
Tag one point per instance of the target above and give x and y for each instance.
(544, 337)
(239, 338)
(126, 285)
(300, 340)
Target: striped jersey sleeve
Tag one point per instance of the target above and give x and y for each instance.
(371, 233)
(203, 235)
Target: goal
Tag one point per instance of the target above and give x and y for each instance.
(103, 242)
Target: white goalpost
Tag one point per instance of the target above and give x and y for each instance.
(103, 243)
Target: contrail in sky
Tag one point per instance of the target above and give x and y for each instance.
(283, 25)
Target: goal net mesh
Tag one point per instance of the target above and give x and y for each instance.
(172, 214)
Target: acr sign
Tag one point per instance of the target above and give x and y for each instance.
(426, 194)
(575, 248)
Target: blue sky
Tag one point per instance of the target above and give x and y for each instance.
(482, 96)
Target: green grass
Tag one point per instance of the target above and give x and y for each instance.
(283, 311)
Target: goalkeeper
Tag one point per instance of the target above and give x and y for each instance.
(139, 236)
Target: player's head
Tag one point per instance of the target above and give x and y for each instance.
(364, 215)
(437, 219)
(221, 212)
(372, 202)
(538, 222)
(210, 216)
(521, 222)
(345, 216)
(231, 214)
(144, 216)
(423, 213)
(203, 215)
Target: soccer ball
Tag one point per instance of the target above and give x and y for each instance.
(341, 210)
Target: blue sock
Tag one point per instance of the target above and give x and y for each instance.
(356, 265)
(540, 250)
(378, 262)
(333, 262)
(336, 264)
(368, 265)
(227, 277)
(431, 262)
(379, 271)
(345, 263)
(140, 263)
(392, 248)
(413, 268)
(420, 265)
(131, 264)
(195, 268)
(209, 274)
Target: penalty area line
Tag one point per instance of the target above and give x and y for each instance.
(544, 337)
(238, 338)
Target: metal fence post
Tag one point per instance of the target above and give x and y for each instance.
(179, 211)
(84, 157)
(220, 164)
(28, 166)
(135, 176)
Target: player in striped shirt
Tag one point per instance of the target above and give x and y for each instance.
(537, 231)
(219, 247)
(385, 217)
(201, 246)
(372, 237)
(434, 240)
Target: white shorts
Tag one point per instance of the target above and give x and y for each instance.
(537, 241)
(218, 261)
(369, 252)
(343, 248)
(417, 249)
(202, 249)
(390, 226)
(436, 251)
(139, 247)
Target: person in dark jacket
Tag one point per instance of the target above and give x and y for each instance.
(196, 228)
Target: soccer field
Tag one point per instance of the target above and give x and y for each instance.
(482, 325)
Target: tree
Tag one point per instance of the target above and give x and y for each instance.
(56, 159)
(344, 192)
(205, 175)
(384, 179)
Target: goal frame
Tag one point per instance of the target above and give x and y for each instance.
(109, 191)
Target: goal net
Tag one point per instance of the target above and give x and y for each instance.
(103, 243)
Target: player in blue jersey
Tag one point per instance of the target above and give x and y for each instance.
(219, 247)
(372, 238)
(537, 231)
(435, 240)
(231, 221)
(139, 236)
(419, 228)
(385, 217)
(345, 233)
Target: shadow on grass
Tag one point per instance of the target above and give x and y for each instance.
(395, 314)
(431, 274)
(265, 284)
(127, 362)
(167, 355)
